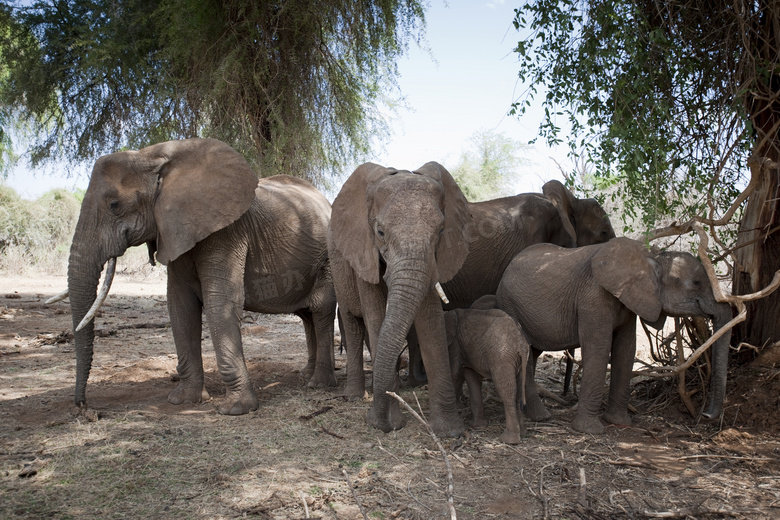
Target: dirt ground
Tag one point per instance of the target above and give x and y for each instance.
(309, 453)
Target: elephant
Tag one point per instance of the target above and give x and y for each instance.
(394, 237)
(488, 343)
(229, 243)
(503, 227)
(591, 297)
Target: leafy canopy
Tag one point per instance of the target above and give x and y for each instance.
(657, 95)
(292, 84)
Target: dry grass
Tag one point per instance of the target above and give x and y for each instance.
(136, 456)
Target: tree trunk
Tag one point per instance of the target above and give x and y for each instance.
(758, 243)
(757, 262)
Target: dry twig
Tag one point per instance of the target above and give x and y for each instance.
(450, 486)
(305, 505)
(354, 495)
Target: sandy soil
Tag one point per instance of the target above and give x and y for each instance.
(133, 455)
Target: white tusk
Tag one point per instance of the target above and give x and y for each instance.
(57, 297)
(101, 297)
(440, 291)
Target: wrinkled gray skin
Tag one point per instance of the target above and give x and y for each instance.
(229, 244)
(393, 235)
(591, 296)
(489, 344)
(503, 227)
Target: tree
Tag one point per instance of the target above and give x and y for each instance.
(490, 168)
(292, 84)
(674, 100)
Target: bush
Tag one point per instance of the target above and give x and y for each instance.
(36, 235)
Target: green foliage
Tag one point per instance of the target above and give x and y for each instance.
(293, 85)
(36, 233)
(654, 94)
(490, 168)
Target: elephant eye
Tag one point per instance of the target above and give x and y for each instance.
(113, 206)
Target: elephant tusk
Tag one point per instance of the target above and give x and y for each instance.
(101, 297)
(57, 297)
(441, 294)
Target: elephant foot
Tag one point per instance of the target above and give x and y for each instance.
(184, 393)
(588, 424)
(308, 371)
(447, 426)
(536, 411)
(619, 419)
(394, 420)
(322, 378)
(355, 392)
(510, 437)
(238, 403)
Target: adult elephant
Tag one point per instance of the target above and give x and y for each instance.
(503, 227)
(591, 296)
(394, 237)
(229, 242)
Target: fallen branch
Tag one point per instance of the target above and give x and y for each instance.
(305, 505)
(543, 392)
(325, 430)
(582, 494)
(315, 413)
(450, 486)
(730, 457)
(692, 512)
(354, 495)
(542, 495)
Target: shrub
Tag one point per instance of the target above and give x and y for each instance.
(36, 235)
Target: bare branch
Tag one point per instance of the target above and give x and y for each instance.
(450, 486)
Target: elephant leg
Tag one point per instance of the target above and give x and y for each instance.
(417, 375)
(623, 353)
(474, 382)
(311, 342)
(186, 311)
(222, 280)
(596, 342)
(429, 322)
(534, 407)
(324, 374)
(569, 367)
(505, 380)
(352, 335)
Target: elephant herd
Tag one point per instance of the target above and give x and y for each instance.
(473, 289)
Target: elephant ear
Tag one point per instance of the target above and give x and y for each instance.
(203, 186)
(563, 200)
(625, 268)
(453, 245)
(350, 228)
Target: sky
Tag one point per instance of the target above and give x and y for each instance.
(464, 82)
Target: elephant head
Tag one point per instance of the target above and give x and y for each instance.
(407, 229)
(170, 196)
(654, 286)
(584, 220)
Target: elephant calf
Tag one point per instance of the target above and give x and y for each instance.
(488, 343)
(591, 297)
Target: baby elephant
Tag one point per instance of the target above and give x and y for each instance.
(488, 343)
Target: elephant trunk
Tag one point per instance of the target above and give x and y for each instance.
(720, 356)
(408, 284)
(84, 268)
